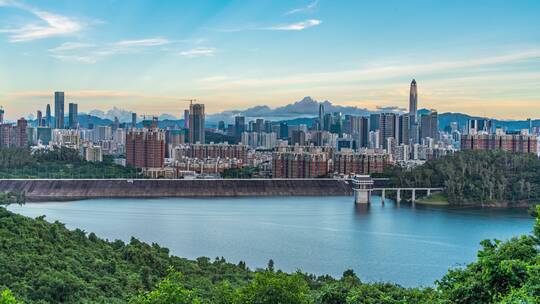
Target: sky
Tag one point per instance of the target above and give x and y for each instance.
(478, 57)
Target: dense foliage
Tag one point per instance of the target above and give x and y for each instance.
(213, 137)
(246, 172)
(477, 177)
(44, 262)
(59, 163)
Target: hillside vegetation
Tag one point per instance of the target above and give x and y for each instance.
(59, 163)
(477, 177)
(44, 262)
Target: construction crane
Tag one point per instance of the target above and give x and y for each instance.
(190, 100)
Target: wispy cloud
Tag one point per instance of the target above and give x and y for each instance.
(94, 94)
(376, 72)
(304, 9)
(50, 25)
(295, 26)
(92, 53)
(69, 46)
(143, 42)
(199, 52)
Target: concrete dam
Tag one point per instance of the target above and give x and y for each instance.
(77, 189)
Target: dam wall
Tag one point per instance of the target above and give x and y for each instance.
(77, 189)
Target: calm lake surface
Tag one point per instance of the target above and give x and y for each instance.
(321, 235)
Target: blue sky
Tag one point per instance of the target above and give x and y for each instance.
(478, 57)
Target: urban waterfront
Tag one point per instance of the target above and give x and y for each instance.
(321, 235)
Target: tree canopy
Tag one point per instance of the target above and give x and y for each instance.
(61, 162)
(477, 177)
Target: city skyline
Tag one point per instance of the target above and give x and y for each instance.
(238, 54)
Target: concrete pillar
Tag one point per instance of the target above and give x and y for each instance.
(398, 196)
(428, 192)
(383, 196)
(362, 196)
(413, 199)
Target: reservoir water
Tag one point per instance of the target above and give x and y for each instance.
(321, 235)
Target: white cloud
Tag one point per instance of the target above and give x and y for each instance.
(306, 8)
(75, 58)
(70, 46)
(143, 42)
(50, 25)
(375, 72)
(295, 26)
(199, 52)
(92, 53)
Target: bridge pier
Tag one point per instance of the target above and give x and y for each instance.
(362, 186)
(398, 196)
(428, 192)
(383, 195)
(362, 196)
(413, 198)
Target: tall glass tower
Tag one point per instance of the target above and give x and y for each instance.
(59, 110)
(413, 113)
(413, 100)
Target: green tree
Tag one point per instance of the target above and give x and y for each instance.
(6, 297)
(170, 290)
(276, 287)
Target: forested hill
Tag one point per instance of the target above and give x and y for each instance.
(478, 177)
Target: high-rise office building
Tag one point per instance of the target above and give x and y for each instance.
(59, 110)
(1, 115)
(413, 101)
(387, 127)
(413, 114)
(374, 122)
(259, 125)
(186, 119)
(48, 119)
(429, 125)
(196, 123)
(133, 120)
(73, 116)
(321, 117)
(283, 130)
(39, 119)
(239, 125)
(404, 128)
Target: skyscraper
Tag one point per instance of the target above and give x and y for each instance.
(404, 128)
(48, 116)
(39, 118)
(196, 123)
(413, 114)
(321, 116)
(239, 125)
(1, 115)
(59, 110)
(186, 119)
(388, 125)
(429, 125)
(374, 122)
(133, 120)
(413, 101)
(73, 116)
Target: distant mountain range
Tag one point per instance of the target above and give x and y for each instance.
(304, 111)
